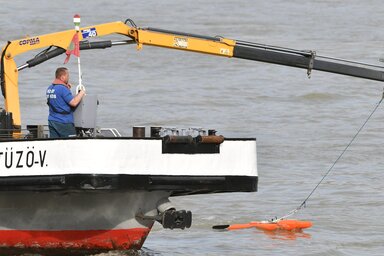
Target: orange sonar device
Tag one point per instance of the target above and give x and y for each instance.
(288, 225)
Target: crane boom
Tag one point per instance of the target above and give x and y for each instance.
(306, 60)
(218, 46)
(288, 57)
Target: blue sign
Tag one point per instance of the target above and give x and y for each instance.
(90, 32)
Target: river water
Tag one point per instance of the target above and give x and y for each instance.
(301, 124)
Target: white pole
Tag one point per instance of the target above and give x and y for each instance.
(76, 21)
(78, 65)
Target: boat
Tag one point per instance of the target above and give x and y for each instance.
(100, 191)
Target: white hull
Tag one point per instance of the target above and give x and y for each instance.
(122, 156)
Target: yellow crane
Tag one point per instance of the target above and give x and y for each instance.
(218, 46)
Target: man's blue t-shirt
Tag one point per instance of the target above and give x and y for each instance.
(58, 98)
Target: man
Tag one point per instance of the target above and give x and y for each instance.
(61, 103)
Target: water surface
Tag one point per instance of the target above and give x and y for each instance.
(301, 124)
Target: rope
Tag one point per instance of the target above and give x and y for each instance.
(303, 204)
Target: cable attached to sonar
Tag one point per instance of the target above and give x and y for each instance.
(283, 223)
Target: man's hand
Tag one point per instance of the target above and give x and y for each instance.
(76, 100)
(79, 88)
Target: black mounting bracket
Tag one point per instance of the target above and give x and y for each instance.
(172, 219)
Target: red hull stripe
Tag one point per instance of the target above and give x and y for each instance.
(121, 239)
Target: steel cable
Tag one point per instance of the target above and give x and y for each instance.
(303, 204)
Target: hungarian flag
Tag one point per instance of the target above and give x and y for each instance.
(73, 48)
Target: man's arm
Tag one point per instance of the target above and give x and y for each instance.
(76, 100)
